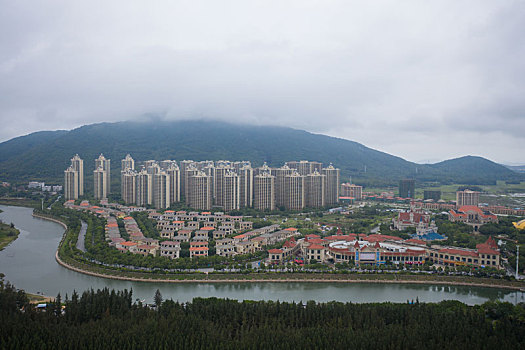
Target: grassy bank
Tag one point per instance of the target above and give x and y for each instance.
(20, 202)
(8, 234)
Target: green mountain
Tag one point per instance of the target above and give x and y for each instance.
(45, 155)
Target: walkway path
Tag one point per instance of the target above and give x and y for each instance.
(82, 236)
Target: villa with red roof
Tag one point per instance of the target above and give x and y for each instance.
(472, 215)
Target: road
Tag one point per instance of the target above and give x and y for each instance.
(82, 237)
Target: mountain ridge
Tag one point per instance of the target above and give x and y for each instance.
(44, 155)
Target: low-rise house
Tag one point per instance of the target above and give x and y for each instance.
(127, 245)
(245, 225)
(224, 241)
(198, 251)
(170, 249)
(226, 250)
(244, 247)
(145, 249)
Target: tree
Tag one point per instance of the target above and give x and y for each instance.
(157, 298)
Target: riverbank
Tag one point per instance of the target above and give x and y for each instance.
(280, 277)
(40, 216)
(8, 234)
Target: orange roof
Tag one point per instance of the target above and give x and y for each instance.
(198, 249)
(178, 222)
(275, 251)
(316, 241)
(290, 229)
(208, 228)
(169, 211)
(206, 213)
(315, 246)
(128, 218)
(240, 236)
(128, 244)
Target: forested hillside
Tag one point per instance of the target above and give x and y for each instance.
(45, 155)
(112, 320)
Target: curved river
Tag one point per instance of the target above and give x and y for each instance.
(29, 263)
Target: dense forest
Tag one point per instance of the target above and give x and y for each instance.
(114, 320)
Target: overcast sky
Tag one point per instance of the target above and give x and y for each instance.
(424, 80)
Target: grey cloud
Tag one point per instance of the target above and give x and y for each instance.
(390, 75)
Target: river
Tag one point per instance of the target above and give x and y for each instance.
(29, 263)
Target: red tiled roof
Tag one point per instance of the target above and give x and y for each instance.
(290, 229)
(316, 241)
(416, 241)
(208, 228)
(275, 251)
(457, 252)
(198, 249)
(315, 246)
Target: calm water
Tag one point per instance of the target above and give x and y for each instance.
(29, 263)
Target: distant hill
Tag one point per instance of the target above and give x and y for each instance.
(45, 155)
(517, 168)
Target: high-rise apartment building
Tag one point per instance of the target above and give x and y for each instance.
(174, 174)
(200, 195)
(129, 186)
(77, 165)
(315, 185)
(218, 182)
(435, 195)
(144, 190)
(262, 169)
(105, 164)
(183, 164)
(190, 171)
(71, 183)
(305, 167)
(467, 197)
(280, 191)
(264, 191)
(407, 188)
(127, 163)
(100, 186)
(246, 186)
(161, 190)
(294, 186)
(332, 185)
(351, 190)
(230, 191)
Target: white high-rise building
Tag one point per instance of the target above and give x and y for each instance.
(332, 185)
(245, 186)
(294, 186)
(174, 173)
(230, 191)
(129, 186)
(315, 185)
(100, 187)
(78, 165)
(264, 191)
(200, 195)
(127, 163)
(280, 191)
(71, 183)
(161, 190)
(105, 164)
(144, 188)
